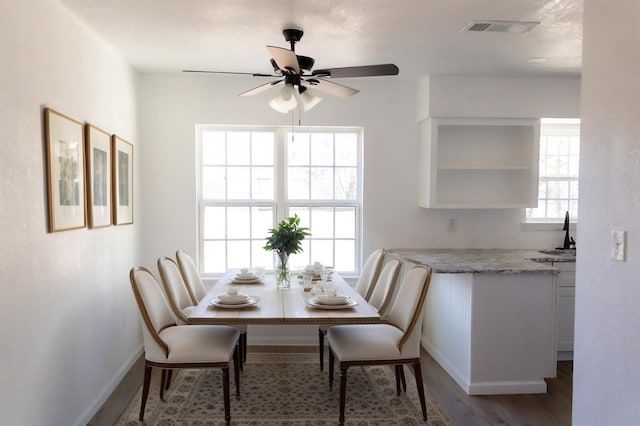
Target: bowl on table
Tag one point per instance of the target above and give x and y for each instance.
(332, 299)
(233, 298)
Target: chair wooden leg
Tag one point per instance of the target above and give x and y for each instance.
(331, 362)
(169, 375)
(321, 348)
(402, 379)
(227, 399)
(163, 379)
(343, 392)
(236, 370)
(145, 389)
(420, 386)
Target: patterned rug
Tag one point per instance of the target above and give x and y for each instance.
(285, 389)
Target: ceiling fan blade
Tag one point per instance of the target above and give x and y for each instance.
(362, 71)
(232, 73)
(285, 59)
(330, 87)
(260, 89)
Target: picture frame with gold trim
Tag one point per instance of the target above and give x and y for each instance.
(64, 150)
(122, 178)
(98, 159)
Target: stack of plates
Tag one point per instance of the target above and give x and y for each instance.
(245, 278)
(236, 301)
(233, 299)
(327, 299)
(331, 302)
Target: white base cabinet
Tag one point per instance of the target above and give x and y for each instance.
(493, 333)
(565, 309)
(479, 163)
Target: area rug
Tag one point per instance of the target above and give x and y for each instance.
(285, 389)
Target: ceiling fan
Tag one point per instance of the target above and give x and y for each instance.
(300, 82)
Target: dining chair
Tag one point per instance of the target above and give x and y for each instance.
(197, 291)
(171, 346)
(364, 287)
(176, 290)
(395, 342)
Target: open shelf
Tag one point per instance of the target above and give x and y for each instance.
(479, 163)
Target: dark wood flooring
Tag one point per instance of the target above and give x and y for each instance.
(550, 409)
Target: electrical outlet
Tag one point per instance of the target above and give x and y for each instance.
(618, 245)
(453, 224)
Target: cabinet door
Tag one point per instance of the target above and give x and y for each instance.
(567, 275)
(565, 318)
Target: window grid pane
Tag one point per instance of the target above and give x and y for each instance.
(238, 182)
(558, 172)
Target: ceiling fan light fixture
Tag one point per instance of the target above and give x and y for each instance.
(286, 100)
(309, 100)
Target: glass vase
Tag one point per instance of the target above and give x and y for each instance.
(283, 279)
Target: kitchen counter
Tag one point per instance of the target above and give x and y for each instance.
(489, 316)
(496, 261)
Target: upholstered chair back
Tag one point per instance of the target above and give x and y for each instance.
(407, 313)
(175, 288)
(385, 286)
(370, 273)
(154, 311)
(191, 276)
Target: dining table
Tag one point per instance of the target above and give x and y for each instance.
(273, 305)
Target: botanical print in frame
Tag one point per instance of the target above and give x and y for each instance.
(122, 173)
(65, 171)
(98, 153)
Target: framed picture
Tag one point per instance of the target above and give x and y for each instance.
(122, 173)
(98, 154)
(65, 171)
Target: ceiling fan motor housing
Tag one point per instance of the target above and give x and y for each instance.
(292, 35)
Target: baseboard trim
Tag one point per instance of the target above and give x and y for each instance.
(507, 388)
(109, 388)
(446, 366)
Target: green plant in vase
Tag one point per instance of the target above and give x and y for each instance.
(286, 240)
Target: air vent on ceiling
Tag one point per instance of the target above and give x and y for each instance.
(501, 26)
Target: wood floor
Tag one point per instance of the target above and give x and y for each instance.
(550, 409)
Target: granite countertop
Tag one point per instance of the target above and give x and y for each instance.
(496, 261)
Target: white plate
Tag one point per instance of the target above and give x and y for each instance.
(252, 301)
(232, 300)
(313, 303)
(246, 277)
(246, 281)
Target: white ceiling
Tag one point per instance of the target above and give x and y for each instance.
(420, 36)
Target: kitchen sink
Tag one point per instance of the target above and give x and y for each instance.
(559, 252)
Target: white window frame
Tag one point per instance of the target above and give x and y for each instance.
(281, 205)
(548, 127)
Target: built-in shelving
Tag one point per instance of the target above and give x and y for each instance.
(479, 163)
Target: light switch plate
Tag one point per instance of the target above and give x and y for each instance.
(618, 245)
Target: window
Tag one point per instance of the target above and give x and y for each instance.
(251, 178)
(558, 181)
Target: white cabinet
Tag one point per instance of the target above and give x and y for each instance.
(565, 308)
(479, 163)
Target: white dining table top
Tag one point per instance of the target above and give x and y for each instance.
(280, 306)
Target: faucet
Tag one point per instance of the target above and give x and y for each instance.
(568, 240)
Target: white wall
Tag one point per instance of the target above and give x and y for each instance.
(68, 322)
(504, 97)
(607, 338)
(386, 108)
